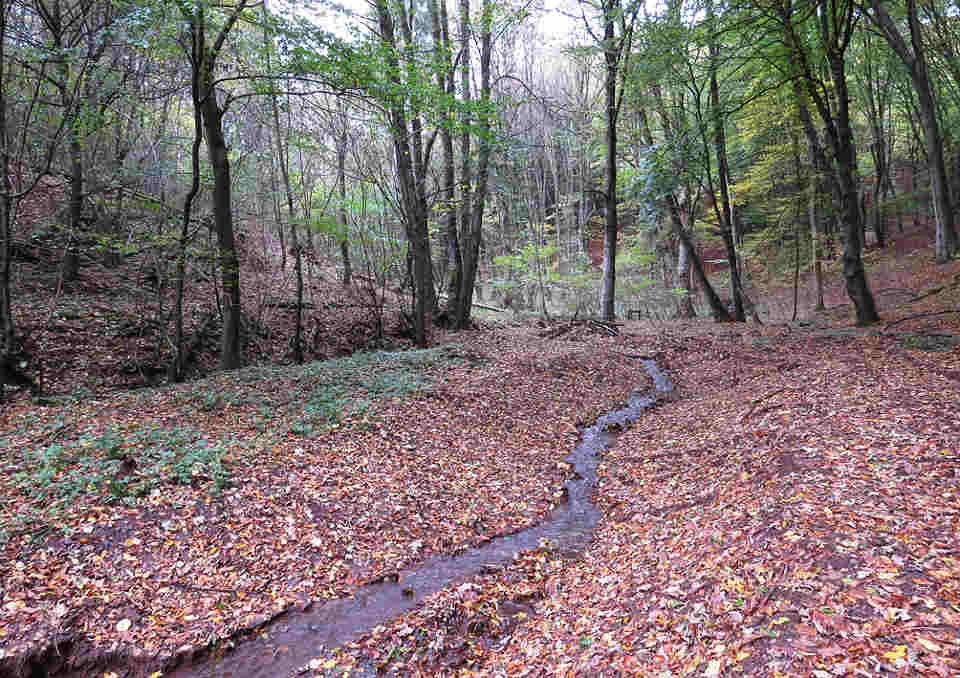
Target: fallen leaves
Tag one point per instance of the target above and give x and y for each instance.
(433, 471)
(815, 537)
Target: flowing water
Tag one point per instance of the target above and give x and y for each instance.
(294, 639)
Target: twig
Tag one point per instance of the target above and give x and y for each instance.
(759, 400)
(208, 589)
(935, 290)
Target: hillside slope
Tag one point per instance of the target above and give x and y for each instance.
(789, 510)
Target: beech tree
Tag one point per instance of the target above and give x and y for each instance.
(615, 45)
(834, 23)
(914, 58)
(411, 157)
(207, 41)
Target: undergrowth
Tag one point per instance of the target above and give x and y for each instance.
(123, 462)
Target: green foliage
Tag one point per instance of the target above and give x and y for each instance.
(581, 282)
(633, 267)
(120, 465)
(529, 259)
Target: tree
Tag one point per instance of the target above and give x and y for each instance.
(80, 33)
(475, 198)
(616, 46)
(283, 160)
(723, 210)
(834, 23)
(677, 166)
(203, 57)
(7, 197)
(914, 58)
(411, 162)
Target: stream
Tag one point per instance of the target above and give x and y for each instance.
(292, 640)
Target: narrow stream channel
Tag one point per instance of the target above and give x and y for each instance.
(294, 639)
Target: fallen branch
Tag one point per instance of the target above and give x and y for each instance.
(935, 290)
(490, 308)
(606, 327)
(918, 315)
(759, 400)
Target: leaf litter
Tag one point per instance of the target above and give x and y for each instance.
(330, 478)
(791, 512)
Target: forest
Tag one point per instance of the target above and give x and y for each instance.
(593, 338)
(222, 159)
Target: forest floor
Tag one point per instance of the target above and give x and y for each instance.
(790, 509)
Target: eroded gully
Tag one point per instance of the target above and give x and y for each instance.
(289, 642)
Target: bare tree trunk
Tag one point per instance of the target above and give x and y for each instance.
(471, 248)
(212, 114)
(724, 214)
(283, 159)
(611, 53)
(176, 368)
(452, 268)
(845, 157)
(6, 199)
(914, 58)
(685, 303)
(813, 199)
(342, 187)
(836, 24)
(415, 218)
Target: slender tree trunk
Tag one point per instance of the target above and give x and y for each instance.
(228, 261)
(845, 157)
(342, 187)
(914, 58)
(815, 244)
(451, 271)
(283, 160)
(611, 52)
(466, 158)
(176, 369)
(836, 24)
(724, 214)
(277, 216)
(415, 218)
(471, 249)
(7, 327)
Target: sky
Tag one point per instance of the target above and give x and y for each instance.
(557, 19)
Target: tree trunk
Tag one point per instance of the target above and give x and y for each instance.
(611, 52)
(685, 304)
(719, 311)
(836, 24)
(223, 220)
(414, 215)
(916, 63)
(845, 157)
(176, 367)
(6, 199)
(283, 160)
(724, 213)
(452, 269)
(342, 187)
(471, 249)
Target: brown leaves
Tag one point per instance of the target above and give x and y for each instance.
(796, 541)
(312, 517)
